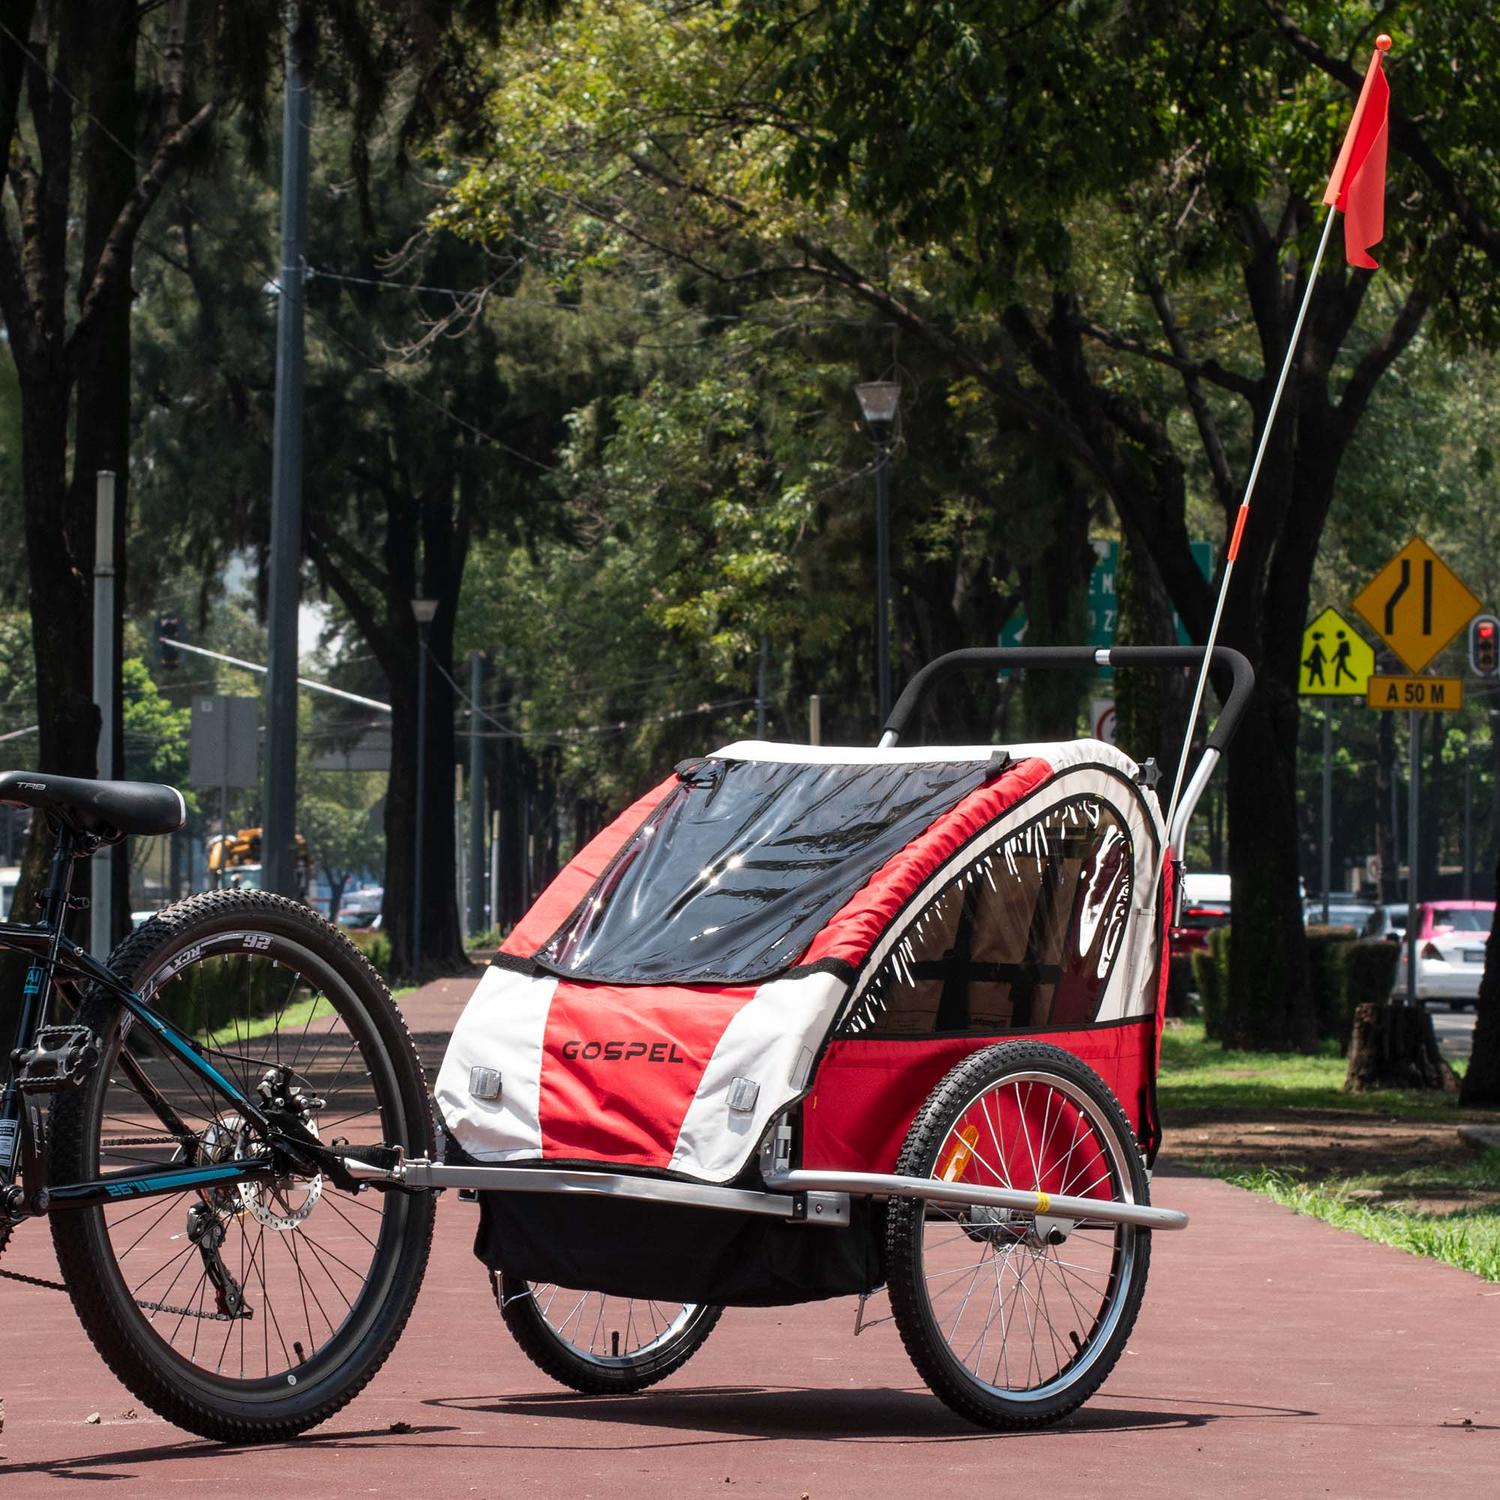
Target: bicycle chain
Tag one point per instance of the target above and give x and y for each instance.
(161, 1307)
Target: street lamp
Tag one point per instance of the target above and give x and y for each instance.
(422, 611)
(878, 401)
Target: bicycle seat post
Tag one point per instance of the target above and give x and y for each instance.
(55, 901)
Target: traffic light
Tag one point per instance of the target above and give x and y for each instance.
(1484, 646)
(167, 626)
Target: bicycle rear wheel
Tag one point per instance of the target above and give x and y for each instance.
(252, 1311)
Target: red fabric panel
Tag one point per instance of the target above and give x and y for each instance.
(553, 907)
(627, 1107)
(856, 927)
(867, 1092)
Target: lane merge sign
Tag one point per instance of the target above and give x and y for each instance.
(1434, 694)
(1416, 604)
(1336, 659)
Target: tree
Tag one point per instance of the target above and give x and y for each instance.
(1056, 208)
(336, 816)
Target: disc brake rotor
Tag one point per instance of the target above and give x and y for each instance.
(281, 1204)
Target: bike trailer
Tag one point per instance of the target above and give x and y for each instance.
(766, 965)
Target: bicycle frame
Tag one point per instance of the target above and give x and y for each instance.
(55, 957)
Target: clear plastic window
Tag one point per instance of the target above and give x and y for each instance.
(1025, 936)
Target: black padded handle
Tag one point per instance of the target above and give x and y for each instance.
(1072, 658)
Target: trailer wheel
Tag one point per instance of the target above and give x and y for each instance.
(598, 1344)
(1014, 1319)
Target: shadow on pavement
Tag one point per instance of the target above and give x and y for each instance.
(727, 1413)
(124, 1461)
(715, 1415)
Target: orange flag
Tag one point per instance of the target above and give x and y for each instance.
(1357, 187)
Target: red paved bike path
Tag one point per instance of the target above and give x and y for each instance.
(1274, 1356)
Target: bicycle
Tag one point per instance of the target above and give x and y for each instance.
(191, 1130)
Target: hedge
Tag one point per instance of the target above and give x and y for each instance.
(1343, 972)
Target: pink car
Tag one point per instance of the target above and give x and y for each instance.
(1450, 951)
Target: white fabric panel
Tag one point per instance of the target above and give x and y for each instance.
(1059, 755)
(1131, 988)
(502, 1027)
(764, 1042)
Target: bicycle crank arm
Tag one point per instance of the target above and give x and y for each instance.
(1055, 1206)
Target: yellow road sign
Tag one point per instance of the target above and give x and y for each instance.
(1435, 694)
(1416, 604)
(1336, 659)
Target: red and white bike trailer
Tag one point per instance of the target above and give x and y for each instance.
(807, 1022)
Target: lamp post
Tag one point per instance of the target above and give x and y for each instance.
(422, 610)
(878, 400)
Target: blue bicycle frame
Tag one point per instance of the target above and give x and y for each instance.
(22, 1128)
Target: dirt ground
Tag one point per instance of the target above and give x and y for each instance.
(1315, 1145)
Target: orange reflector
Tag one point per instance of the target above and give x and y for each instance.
(959, 1157)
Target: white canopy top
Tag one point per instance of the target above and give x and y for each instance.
(1058, 754)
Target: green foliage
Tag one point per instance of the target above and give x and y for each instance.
(335, 813)
(1468, 1239)
(156, 733)
(376, 947)
(1328, 951)
(1199, 1073)
(1211, 979)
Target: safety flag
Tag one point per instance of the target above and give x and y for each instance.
(1357, 187)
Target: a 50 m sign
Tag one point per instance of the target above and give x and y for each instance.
(1434, 694)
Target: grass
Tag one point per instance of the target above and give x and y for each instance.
(1468, 1238)
(293, 1018)
(1199, 1074)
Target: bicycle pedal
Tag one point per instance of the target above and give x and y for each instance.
(62, 1057)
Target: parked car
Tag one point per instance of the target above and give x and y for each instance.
(362, 908)
(1386, 922)
(1450, 951)
(1205, 905)
(1344, 910)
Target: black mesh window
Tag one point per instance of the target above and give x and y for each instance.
(1026, 936)
(735, 872)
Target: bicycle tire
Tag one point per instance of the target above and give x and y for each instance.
(593, 1372)
(1000, 1094)
(128, 1329)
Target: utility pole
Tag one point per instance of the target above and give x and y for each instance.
(1468, 819)
(423, 610)
(1327, 870)
(279, 814)
(1413, 850)
(476, 796)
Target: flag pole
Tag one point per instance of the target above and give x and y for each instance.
(1239, 531)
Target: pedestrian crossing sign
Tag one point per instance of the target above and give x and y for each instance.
(1336, 659)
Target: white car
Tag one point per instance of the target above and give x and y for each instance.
(1450, 951)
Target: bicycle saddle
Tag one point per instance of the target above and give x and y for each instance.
(106, 809)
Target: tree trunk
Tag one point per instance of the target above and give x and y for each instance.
(1395, 1047)
(1150, 707)
(1054, 586)
(1481, 1086)
(1268, 981)
(102, 421)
